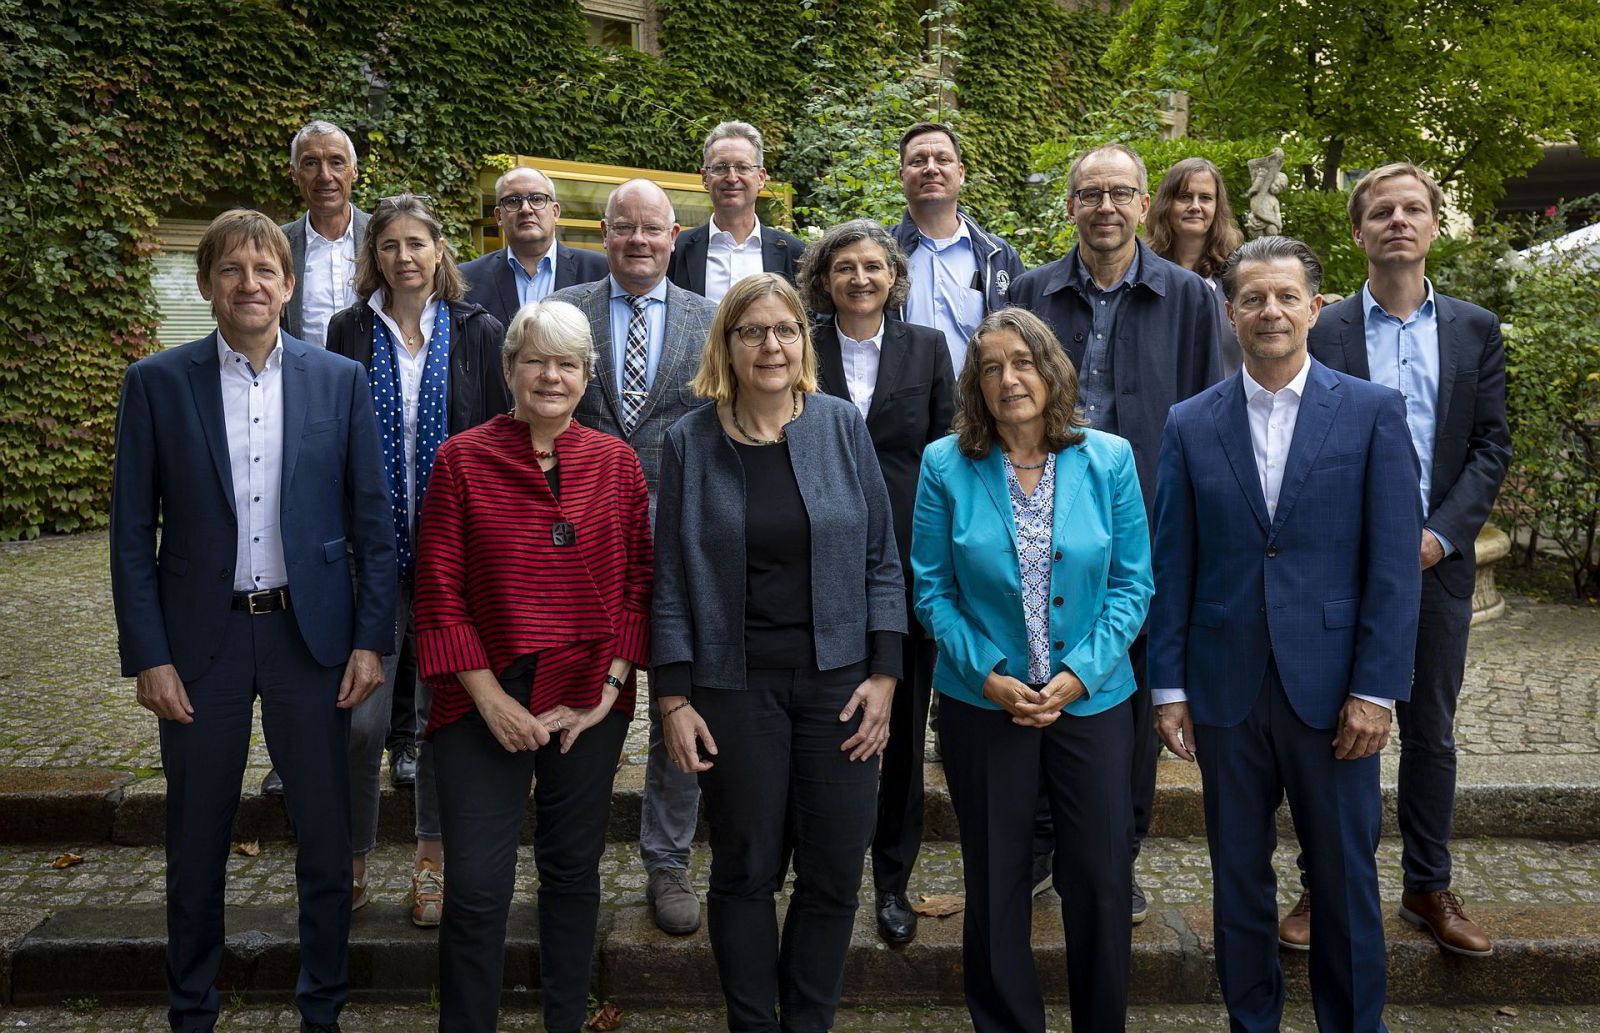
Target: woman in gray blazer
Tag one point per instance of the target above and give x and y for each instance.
(778, 615)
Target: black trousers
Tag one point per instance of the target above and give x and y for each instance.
(898, 836)
(404, 726)
(995, 768)
(483, 797)
(204, 762)
(781, 787)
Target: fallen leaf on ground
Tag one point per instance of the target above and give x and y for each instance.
(251, 848)
(66, 861)
(1508, 1011)
(609, 1017)
(940, 905)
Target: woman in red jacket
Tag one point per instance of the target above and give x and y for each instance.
(532, 611)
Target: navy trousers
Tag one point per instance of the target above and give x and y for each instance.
(204, 762)
(1246, 770)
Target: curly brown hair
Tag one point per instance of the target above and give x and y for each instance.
(974, 423)
(817, 264)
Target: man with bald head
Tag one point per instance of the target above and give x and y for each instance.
(648, 333)
(533, 264)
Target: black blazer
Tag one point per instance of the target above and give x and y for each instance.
(913, 404)
(492, 284)
(780, 253)
(477, 384)
(1471, 441)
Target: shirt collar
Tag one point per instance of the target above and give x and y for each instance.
(349, 229)
(1371, 308)
(1082, 277)
(548, 256)
(378, 298)
(656, 293)
(962, 233)
(876, 340)
(225, 352)
(720, 235)
(1296, 386)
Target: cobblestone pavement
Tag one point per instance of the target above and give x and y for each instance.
(1173, 872)
(89, 1016)
(1532, 681)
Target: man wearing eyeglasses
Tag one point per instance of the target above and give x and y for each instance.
(648, 333)
(711, 258)
(533, 264)
(959, 272)
(323, 241)
(1143, 336)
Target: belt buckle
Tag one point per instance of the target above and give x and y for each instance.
(265, 596)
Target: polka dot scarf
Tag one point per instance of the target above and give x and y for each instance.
(433, 420)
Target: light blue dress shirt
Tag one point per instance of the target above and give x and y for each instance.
(942, 293)
(538, 286)
(655, 321)
(1404, 354)
(1097, 379)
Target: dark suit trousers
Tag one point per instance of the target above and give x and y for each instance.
(204, 761)
(898, 836)
(994, 768)
(780, 786)
(1246, 770)
(483, 801)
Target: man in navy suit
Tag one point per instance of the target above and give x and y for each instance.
(709, 259)
(256, 458)
(1447, 358)
(533, 264)
(1287, 520)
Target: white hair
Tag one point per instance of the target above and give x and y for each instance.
(734, 131)
(556, 329)
(320, 128)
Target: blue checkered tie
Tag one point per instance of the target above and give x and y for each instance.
(635, 365)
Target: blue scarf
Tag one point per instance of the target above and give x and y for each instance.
(433, 419)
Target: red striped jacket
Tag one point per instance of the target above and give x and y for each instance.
(491, 585)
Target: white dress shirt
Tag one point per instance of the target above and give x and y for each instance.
(861, 359)
(727, 262)
(329, 280)
(410, 369)
(1272, 416)
(252, 411)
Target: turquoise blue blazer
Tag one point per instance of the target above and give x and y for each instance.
(968, 589)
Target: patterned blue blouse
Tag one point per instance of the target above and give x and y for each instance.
(1034, 516)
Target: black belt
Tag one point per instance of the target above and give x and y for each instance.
(265, 601)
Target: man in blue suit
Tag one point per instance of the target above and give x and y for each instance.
(256, 458)
(1287, 519)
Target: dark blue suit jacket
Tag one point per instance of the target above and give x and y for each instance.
(1471, 443)
(173, 473)
(492, 284)
(780, 253)
(1329, 587)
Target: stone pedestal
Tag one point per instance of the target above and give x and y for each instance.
(1493, 545)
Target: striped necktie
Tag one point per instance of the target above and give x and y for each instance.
(635, 364)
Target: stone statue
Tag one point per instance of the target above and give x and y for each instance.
(1266, 182)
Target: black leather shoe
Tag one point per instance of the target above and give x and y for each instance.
(318, 1027)
(403, 765)
(272, 785)
(897, 923)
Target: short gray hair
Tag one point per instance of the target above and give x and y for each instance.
(508, 173)
(318, 127)
(817, 263)
(1110, 148)
(1270, 249)
(734, 131)
(557, 329)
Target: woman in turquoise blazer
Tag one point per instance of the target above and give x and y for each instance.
(1031, 561)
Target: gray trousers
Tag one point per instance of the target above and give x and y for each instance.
(369, 728)
(670, 808)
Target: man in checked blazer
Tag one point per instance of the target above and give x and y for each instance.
(636, 310)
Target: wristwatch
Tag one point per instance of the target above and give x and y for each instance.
(615, 682)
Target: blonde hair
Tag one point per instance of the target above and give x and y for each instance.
(1357, 208)
(242, 226)
(714, 379)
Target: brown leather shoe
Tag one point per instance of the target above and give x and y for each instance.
(1294, 932)
(1440, 913)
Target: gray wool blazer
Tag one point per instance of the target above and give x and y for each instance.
(292, 318)
(856, 583)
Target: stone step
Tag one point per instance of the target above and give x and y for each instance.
(1548, 797)
(96, 930)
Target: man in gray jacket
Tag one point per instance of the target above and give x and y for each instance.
(324, 241)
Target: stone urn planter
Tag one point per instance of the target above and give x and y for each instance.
(1493, 545)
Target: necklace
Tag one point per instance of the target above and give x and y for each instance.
(783, 432)
(1027, 466)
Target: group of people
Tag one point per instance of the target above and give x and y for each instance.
(1151, 488)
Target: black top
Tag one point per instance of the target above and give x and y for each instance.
(777, 600)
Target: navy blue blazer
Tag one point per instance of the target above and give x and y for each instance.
(1471, 442)
(780, 253)
(1167, 345)
(492, 283)
(1329, 587)
(173, 473)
